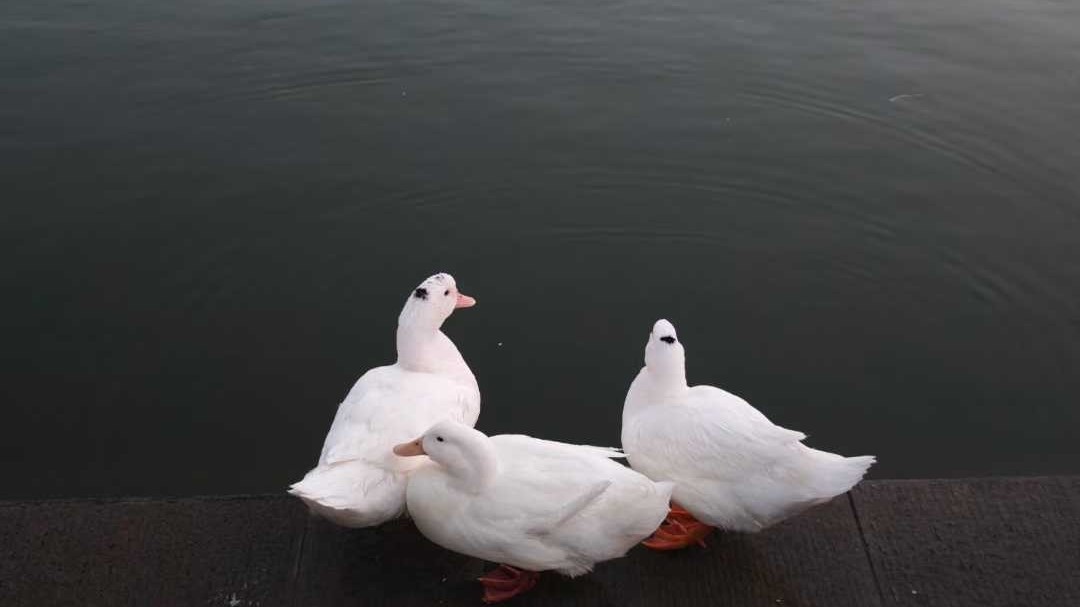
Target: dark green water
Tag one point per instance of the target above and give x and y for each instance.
(863, 217)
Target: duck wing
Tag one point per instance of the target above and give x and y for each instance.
(713, 435)
(574, 507)
(544, 484)
(388, 406)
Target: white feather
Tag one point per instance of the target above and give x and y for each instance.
(358, 481)
(530, 503)
(731, 466)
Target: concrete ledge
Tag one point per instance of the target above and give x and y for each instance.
(973, 542)
(984, 542)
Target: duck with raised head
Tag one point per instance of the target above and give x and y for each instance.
(358, 481)
(531, 505)
(732, 467)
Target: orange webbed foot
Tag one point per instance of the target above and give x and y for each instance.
(506, 582)
(679, 530)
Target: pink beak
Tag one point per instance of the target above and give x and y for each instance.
(464, 301)
(410, 448)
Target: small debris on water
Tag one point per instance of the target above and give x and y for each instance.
(500, 344)
(233, 601)
(913, 591)
(904, 97)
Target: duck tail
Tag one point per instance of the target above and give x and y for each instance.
(349, 497)
(837, 474)
(665, 489)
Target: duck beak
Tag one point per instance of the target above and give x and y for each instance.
(464, 301)
(410, 448)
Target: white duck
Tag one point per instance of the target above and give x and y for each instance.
(358, 481)
(529, 504)
(731, 466)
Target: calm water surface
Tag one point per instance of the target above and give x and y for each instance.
(863, 217)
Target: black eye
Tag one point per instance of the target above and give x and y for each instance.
(667, 339)
(439, 438)
(447, 292)
(421, 293)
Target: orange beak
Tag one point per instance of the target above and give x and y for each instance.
(410, 448)
(464, 301)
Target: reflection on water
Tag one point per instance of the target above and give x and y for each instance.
(862, 218)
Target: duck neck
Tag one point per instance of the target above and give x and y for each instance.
(426, 349)
(666, 379)
(654, 387)
(479, 467)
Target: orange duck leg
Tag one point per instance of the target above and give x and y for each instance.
(506, 582)
(679, 530)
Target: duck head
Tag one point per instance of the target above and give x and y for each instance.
(432, 302)
(466, 453)
(664, 354)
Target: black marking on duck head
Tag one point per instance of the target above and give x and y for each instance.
(667, 339)
(420, 293)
